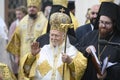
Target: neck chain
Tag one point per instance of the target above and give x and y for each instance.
(100, 53)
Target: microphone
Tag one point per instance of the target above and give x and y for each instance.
(105, 42)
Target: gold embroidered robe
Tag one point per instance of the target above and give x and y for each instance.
(50, 67)
(28, 30)
(6, 73)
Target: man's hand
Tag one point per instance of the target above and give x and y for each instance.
(66, 59)
(88, 50)
(103, 76)
(35, 49)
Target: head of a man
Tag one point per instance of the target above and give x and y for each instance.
(20, 12)
(93, 13)
(108, 18)
(56, 37)
(47, 6)
(47, 11)
(33, 7)
(57, 32)
(105, 25)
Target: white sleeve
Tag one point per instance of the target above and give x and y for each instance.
(3, 29)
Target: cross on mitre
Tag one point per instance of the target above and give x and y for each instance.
(62, 10)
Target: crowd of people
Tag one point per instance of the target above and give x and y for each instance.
(50, 44)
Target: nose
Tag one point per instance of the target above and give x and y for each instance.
(31, 7)
(53, 37)
(103, 24)
(94, 15)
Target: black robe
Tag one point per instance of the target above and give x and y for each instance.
(113, 72)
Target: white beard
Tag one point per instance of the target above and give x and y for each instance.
(55, 50)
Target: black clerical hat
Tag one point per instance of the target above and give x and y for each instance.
(118, 27)
(59, 8)
(71, 5)
(111, 10)
(45, 4)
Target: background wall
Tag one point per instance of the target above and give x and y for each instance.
(2, 7)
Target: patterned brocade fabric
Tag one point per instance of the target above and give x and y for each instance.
(5, 73)
(14, 46)
(78, 65)
(43, 69)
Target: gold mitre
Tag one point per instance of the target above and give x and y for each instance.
(34, 3)
(106, 0)
(57, 20)
(60, 2)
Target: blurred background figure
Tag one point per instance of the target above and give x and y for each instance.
(20, 12)
(4, 56)
(87, 16)
(47, 8)
(71, 6)
(3, 29)
(84, 29)
(93, 13)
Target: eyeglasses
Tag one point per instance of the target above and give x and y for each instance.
(107, 24)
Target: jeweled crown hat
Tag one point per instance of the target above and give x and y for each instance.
(57, 19)
(34, 3)
(61, 7)
(58, 6)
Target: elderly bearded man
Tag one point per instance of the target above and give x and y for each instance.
(47, 63)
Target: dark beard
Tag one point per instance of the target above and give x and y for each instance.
(92, 21)
(33, 16)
